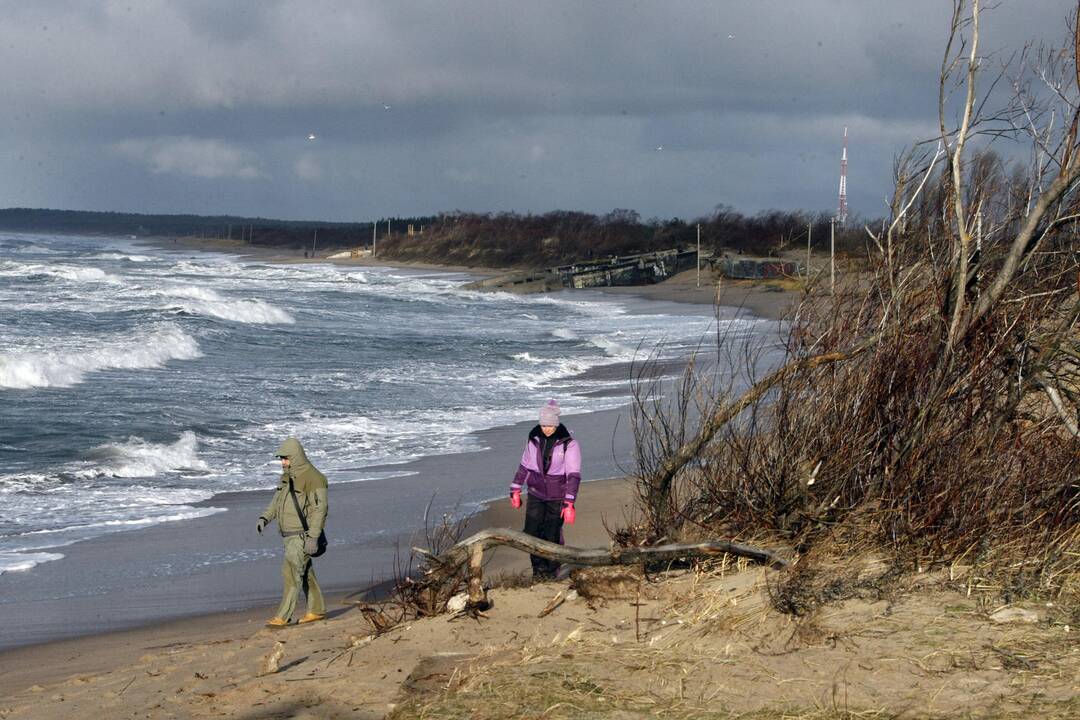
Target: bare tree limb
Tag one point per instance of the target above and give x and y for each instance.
(460, 553)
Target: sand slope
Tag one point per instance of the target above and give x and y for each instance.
(681, 645)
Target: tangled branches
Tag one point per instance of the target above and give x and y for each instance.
(931, 403)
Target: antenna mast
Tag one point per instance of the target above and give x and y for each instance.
(841, 213)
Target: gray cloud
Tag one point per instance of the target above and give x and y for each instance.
(195, 157)
(200, 106)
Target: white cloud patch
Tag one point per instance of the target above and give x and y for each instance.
(307, 167)
(196, 157)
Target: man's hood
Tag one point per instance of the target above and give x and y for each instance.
(305, 476)
(293, 450)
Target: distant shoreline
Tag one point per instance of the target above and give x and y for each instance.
(763, 299)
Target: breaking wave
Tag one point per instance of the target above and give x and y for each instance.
(18, 562)
(139, 458)
(210, 303)
(21, 371)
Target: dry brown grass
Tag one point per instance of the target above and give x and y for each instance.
(716, 648)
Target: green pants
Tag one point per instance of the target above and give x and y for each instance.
(298, 572)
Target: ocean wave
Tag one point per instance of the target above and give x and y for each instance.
(30, 249)
(37, 539)
(545, 372)
(210, 303)
(138, 458)
(65, 368)
(122, 257)
(19, 562)
(611, 348)
(70, 273)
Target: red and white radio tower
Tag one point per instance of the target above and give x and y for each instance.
(841, 213)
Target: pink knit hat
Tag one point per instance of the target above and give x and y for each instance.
(549, 414)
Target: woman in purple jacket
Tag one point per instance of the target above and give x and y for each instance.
(551, 469)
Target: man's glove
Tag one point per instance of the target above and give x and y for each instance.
(263, 522)
(515, 499)
(568, 513)
(311, 545)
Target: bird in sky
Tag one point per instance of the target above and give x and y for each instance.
(311, 137)
(659, 148)
(385, 106)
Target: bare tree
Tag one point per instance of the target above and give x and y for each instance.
(932, 404)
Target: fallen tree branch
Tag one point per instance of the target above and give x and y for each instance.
(461, 552)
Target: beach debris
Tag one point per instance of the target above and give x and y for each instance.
(272, 660)
(560, 597)
(1014, 615)
(572, 636)
(355, 643)
(554, 602)
(608, 583)
(457, 603)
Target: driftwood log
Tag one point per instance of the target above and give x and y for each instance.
(471, 549)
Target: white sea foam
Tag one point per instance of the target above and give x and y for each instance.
(543, 372)
(65, 368)
(204, 301)
(612, 348)
(18, 562)
(71, 273)
(139, 458)
(565, 334)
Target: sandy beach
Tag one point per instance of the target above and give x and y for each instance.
(603, 503)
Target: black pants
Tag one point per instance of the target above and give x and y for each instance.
(543, 519)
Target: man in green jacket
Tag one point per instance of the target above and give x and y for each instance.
(299, 480)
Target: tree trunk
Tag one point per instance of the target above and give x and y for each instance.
(463, 551)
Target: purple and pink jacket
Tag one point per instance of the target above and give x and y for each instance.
(563, 475)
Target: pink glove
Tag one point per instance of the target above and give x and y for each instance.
(568, 514)
(515, 499)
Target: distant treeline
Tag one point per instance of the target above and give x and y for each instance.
(475, 239)
(562, 237)
(260, 231)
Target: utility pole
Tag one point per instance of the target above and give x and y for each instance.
(832, 257)
(699, 255)
(809, 231)
(842, 211)
(374, 234)
(313, 242)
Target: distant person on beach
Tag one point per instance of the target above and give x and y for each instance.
(300, 501)
(551, 470)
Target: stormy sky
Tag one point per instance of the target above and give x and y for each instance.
(668, 108)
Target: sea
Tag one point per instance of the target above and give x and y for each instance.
(138, 382)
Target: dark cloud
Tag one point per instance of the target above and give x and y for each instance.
(201, 106)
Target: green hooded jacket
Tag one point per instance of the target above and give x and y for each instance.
(310, 486)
